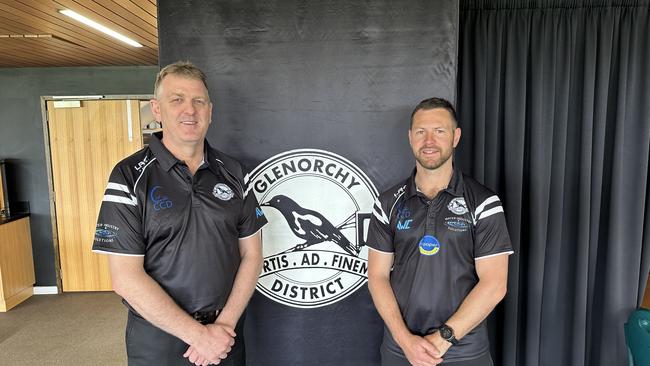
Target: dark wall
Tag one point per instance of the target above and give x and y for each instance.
(340, 76)
(350, 70)
(21, 135)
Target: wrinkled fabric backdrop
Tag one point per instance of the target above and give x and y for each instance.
(340, 76)
(553, 102)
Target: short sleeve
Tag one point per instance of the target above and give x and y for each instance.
(491, 231)
(251, 218)
(380, 235)
(119, 224)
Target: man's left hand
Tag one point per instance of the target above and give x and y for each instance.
(225, 346)
(441, 344)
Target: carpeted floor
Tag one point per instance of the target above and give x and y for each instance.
(67, 329)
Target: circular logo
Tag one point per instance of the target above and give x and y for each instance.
(458, 206)
(222, 192)
(319, 206)
(429, 245)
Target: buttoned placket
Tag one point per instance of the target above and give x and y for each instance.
(192, 183)
(430, 225)
(432, 213)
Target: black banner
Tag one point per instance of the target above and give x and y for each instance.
(315, 98)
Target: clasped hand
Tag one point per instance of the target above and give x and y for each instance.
(425, 351)
(212, 346)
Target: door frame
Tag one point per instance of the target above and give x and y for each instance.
(48, 163)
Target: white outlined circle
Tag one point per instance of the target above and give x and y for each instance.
(318, 205)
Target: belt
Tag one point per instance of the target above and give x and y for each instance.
(205, 317)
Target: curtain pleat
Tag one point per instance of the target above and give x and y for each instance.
(554, 103)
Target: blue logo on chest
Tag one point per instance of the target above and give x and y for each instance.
(403, 220)
(160, 201)
(259, 212)
(404, 224)
(429, 245)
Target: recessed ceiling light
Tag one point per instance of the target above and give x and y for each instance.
(99, 27)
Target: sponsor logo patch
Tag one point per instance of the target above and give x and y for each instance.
(429, 245)
(160, 201)
(318, 205)
(106, 233)
(404, 224)
(222, 192)
(403, 214)
(457, 224)
(458, 206)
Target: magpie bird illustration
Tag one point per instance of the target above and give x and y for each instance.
(310, 225)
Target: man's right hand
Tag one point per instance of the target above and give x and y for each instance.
(419, 351)
(212, 345)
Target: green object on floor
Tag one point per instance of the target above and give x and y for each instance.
(637, 337)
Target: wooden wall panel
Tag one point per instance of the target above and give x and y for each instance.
(16, 263)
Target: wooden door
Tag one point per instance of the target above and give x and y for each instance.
(2, 193)
(85, 143)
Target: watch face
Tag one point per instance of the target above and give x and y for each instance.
(446, 332)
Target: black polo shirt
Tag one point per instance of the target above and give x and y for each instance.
(435, 244)
(186, 227)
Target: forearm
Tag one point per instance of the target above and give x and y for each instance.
(154, 304)
(387, 307)
(478, 304)
(243, 287)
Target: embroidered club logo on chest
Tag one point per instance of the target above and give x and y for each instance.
(222, 192)
(458, 206)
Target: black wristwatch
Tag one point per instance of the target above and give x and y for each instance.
(448, 334)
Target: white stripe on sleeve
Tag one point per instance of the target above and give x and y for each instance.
(490, 212)
(117, 187)
(482, 206)
(119, 199)
(380, 214)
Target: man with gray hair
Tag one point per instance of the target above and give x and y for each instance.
(183, 234)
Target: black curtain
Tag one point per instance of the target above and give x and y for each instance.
(554, 102)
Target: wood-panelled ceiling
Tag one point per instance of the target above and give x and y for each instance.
(34, 34)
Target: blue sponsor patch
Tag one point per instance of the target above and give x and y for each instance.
(429, 245)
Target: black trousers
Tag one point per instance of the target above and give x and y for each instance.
(390, 359)
(147, 345)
